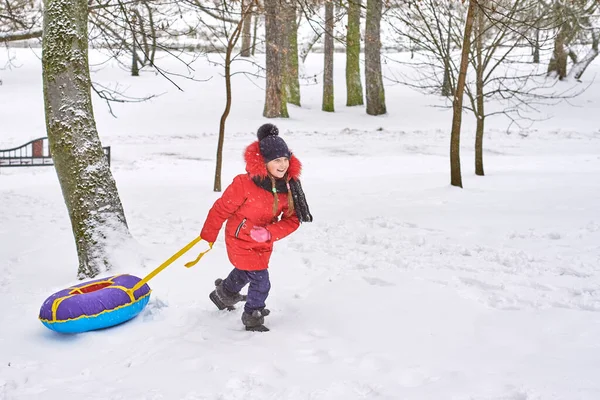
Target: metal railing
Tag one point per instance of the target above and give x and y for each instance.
(35, 153)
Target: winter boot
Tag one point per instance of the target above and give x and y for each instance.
(224, 299)
(254, 322)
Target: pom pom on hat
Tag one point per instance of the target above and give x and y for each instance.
(267, 130)
(271, 145)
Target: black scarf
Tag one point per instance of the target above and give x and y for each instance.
(300, 204)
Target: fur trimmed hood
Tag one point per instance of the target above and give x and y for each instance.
(255, 164)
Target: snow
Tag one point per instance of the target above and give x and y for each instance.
(403, 288)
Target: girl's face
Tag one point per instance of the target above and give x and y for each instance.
(278, 167)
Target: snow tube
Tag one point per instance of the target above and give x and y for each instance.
(95, 304)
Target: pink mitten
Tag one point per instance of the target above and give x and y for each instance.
(260, 234)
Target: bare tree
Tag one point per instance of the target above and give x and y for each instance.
(139, 28)
(90, 192)
(118, 26)
(434, 30)
(20, 20)
(573, 21)
(447, 85)
(502, 70)
(373, 79)
(455, 174)
(231, 42)
(501, 30)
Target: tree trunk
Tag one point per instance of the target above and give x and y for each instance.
(246, 35)
(579, 68)
(254, 33)
(455, 174)
(536, 41)
(354, 90)
(374, 80)
(536, 46)
(275, 103)
(90, 192)
(558, 63)
(328, 59)
(479, 112)
(447, 84)
(291, 54)
(135, 61)
(479, 141)
(232, 41)
(138, 26)
(152, 33)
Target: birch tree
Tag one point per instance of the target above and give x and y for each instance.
(87, 184)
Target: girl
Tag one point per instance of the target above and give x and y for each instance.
(262, 206)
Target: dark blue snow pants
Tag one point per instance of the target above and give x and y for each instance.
(258, 291)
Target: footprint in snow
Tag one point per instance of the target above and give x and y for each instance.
(316, 356)
(377, 281)
(153, 309)
(311, 335)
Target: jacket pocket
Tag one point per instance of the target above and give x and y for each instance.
(237, 231)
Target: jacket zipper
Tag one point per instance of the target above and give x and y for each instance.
(237, 231)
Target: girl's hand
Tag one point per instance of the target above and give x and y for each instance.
(260, 234)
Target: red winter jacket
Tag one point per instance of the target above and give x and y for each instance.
(243, 205)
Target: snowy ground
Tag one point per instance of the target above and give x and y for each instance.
(403, 288)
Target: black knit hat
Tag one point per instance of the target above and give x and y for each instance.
(271, 145)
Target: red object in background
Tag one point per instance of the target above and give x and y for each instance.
(38, 148)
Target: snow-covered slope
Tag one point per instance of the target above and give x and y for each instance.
(402, 288)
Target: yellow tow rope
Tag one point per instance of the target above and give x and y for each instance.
(173, 258)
